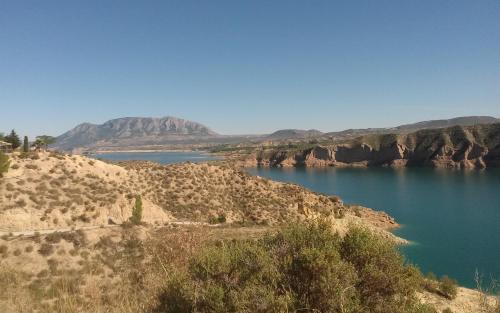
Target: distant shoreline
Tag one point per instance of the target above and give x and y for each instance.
(145, 151)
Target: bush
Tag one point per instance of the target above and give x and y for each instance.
(385, 281)
(448, 287)
(301, 268)
(219, 219)
(137, 211)
(4, 250)
(46, 249)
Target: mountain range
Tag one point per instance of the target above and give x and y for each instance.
(130, 132)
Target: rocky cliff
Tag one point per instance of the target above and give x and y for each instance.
(455, 147)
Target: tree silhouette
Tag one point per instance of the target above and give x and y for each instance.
(13, 138)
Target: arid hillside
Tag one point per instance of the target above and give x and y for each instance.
(48, 191)
(455, 147)
(51, 190)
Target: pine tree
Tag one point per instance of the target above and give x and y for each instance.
(137, 211)
(13, 138)
(26, 145)
(4, 163)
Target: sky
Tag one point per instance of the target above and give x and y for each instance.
(247, 67)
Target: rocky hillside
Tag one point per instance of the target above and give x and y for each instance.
(455, 147)
(56, 191)
(133, 131)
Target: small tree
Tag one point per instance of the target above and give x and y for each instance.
(44, 141)
(26, 145)
(13, 138)
(137, 211)
(4, 163)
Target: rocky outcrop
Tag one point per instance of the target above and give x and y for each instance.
(455, 147)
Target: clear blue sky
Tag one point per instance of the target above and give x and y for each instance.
(247, 66)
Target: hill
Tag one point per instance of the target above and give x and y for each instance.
(50, 191)
(133, 131)
(455, 147)
(457, 121)
(295, 134)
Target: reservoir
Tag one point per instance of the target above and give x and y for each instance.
(452, 217)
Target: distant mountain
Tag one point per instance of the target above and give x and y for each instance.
(133, 131)
(457, 121)
(295, 134)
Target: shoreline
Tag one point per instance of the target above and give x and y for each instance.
(146, 151)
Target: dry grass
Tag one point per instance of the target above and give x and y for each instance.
(123, 269)
(116, 270)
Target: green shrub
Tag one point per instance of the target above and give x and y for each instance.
(304, 267)
(137, 211)
(219, 219)
(386, 283)
(26, 145)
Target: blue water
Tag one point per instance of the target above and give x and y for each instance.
(159, 157)
(451, 216)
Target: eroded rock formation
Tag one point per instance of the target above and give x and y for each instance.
(455, 147)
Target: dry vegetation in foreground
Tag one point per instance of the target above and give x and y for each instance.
(207, 269)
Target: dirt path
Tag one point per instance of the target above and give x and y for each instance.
(30, 233)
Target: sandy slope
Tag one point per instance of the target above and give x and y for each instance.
(55, 191)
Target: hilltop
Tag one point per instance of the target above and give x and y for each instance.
(295, 134)
(412, 127)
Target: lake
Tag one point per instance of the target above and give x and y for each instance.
(161, 157)
(451, 216)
